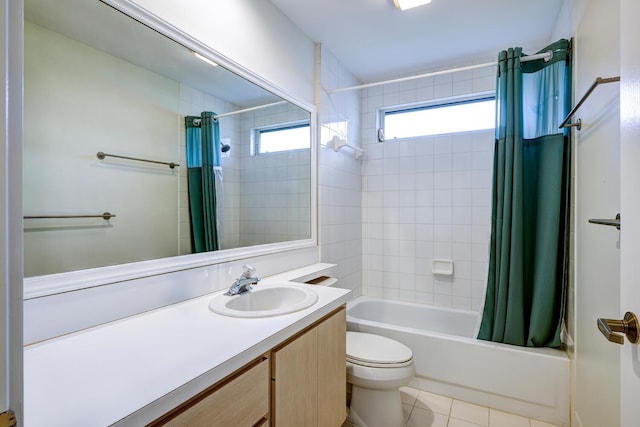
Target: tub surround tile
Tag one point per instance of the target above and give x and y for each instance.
(449, 177)
(470, 412)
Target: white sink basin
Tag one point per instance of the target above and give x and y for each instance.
(264, 301)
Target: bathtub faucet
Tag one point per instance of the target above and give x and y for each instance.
(244, 282)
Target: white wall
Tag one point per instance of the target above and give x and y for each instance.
(597, 257)
(252, 33)
(79, 101)
(630, 203)
(427, 198)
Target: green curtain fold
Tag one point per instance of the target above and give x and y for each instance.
(203, 156)
(525, 298)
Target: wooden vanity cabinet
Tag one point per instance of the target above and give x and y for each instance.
(308, 376)
(240, 400)
(300, 383)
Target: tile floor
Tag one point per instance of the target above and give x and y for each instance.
(423, 409)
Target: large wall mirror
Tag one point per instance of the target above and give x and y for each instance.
(98, 81)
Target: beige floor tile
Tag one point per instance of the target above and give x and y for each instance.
(469, 412)
(503, 419)
(536, 423)
(406, 411)
(434, 402)
(425, 418)
(454, 422)
(409, 395)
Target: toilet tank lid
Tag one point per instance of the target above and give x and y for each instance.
(377, 349)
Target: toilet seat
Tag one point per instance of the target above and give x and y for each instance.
(377, 351)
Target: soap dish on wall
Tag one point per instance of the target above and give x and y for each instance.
(442, 267)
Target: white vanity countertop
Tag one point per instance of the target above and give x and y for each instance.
(133, 370)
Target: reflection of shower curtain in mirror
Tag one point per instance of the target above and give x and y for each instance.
(203, 163)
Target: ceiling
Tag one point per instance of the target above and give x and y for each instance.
(375, 41)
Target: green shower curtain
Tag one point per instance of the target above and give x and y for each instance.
(528, 258)
(203, 156)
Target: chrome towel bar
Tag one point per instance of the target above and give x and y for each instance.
(102, 155)
(611, 222)
(596, 83)
(106, 216)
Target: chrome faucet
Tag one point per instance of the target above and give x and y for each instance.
(244, 282)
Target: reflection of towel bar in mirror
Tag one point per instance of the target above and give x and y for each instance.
(102, 155)
(106, 216)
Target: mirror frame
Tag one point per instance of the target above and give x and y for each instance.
(51, 284)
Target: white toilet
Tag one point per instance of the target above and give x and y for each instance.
(377, 367)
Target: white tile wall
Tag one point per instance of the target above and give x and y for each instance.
(275, 187)
(426, 198)
(340, 180)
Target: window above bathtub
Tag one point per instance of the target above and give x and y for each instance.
(437, 117)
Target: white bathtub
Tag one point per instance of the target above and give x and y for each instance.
(530, 382)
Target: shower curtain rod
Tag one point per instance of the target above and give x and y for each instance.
(257, 107)
(545, 55)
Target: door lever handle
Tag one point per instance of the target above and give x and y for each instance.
(628, 326)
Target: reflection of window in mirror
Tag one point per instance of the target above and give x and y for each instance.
(283, 137)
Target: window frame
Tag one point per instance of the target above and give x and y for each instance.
(257, 132)
(382, 112)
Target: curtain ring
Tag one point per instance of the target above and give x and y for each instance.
(197, 122)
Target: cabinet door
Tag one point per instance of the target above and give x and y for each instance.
(243, 401)
(332, 371)
(295, 385)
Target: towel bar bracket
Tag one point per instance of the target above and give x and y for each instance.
(577, 125)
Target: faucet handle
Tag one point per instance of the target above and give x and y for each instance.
(247, 271)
